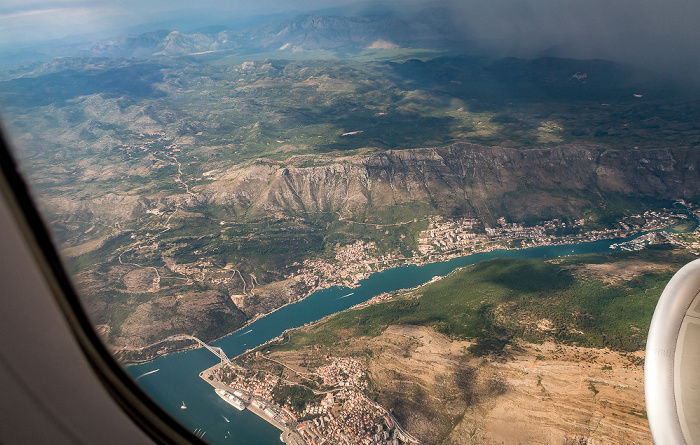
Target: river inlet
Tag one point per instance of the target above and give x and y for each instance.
(177, 378)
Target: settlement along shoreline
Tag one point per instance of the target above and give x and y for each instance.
(177, 379)
(280, 417)
(258, 407)
(426, 259)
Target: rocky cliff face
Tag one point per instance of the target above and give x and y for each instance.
(489, 181)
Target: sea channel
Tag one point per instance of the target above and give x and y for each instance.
(173, 380)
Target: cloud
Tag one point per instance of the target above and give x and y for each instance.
(58, 16)
(656, 34)
(22, 14)
(659, 35)
(22, 21)
(32, 22)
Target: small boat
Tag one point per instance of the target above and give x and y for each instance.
(148, 373)
(183, 406)
(199, 432)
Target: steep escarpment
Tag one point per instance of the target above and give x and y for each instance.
(487, 182)
(490, 181)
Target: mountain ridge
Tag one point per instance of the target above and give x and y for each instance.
(303, 33)
(466, 176)
(487, 181)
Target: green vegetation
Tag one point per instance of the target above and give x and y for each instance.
(592, 387)
(616, 207)
(297, 397)
(498, 301)
(237, 110)
(119, 151)
(684, 226)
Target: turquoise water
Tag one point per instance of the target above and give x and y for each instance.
(177, 379)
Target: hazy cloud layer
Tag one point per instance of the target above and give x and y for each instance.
(22, 21)
(660, 35)
(657, 34)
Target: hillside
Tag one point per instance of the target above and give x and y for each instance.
(308, 32)
(505, 350)
(193, 187)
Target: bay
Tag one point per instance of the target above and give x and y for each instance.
(173, 380)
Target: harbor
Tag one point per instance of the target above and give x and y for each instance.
(246, 401)
(178, 381)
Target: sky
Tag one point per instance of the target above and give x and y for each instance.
(657, 34)
(31, 20)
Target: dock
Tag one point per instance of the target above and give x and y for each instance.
(289, 434)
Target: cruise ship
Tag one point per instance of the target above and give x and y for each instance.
(231, 399)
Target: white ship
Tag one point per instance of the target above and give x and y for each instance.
(231, 399)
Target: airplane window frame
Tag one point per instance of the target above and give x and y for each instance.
(138, 406)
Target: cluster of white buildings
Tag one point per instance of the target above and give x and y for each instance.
(259, 387)
(343, 372)
(513, 231)
(352, 263)
(353, 420)
(465, 234)
(344, 416)
(444, 235)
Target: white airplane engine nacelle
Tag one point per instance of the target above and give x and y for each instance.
(671, 370)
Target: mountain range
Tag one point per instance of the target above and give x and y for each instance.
(222, 175)
(303, 33)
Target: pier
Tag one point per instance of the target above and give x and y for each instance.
(289, 435)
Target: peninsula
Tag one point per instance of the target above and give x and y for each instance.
(475, 355)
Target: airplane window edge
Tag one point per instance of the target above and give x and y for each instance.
(149, 416)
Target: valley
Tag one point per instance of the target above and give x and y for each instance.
(377, 223)
(194, 185)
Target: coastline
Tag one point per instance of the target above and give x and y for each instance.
(415, 261)
(205, 411)
(383, 296)
(418, 260)
(288, 433)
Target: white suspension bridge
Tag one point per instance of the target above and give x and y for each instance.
(213, 349)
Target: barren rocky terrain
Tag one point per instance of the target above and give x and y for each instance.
(535, 393)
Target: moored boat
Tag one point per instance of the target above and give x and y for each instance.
(231, 399)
